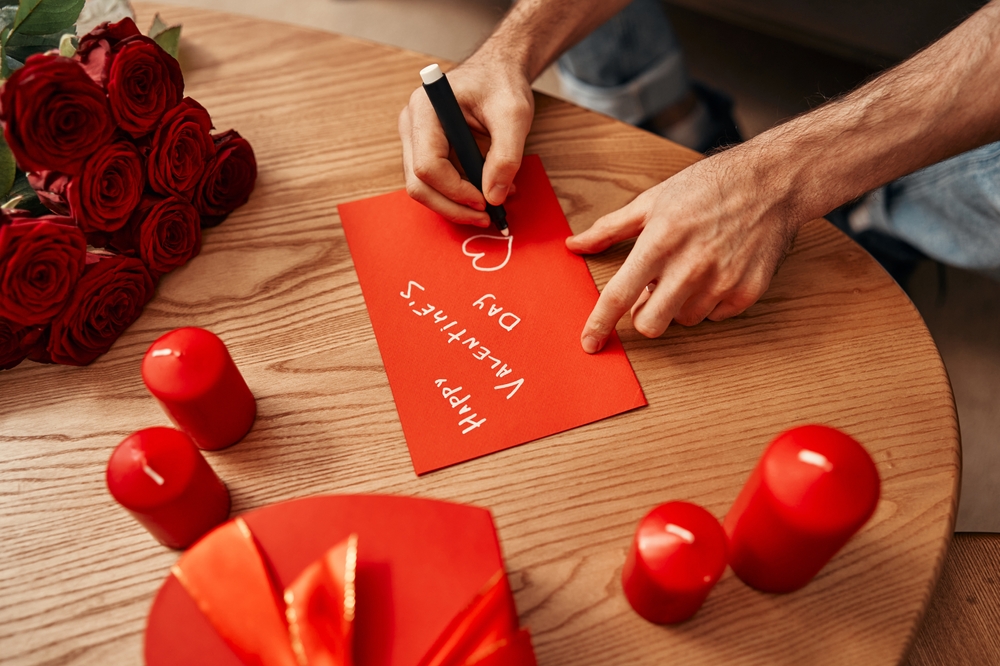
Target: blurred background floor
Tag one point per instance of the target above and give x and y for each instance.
(770, 79)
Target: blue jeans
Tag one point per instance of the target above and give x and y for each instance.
(629, 68)
(950, 211)
(632, 68)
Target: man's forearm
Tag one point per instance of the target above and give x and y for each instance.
(536, 32)
(942, 102)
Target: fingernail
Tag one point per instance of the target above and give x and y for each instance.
(478, 205)
(497, 194)
(591, 345)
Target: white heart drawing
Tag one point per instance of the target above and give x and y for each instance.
(476, 256)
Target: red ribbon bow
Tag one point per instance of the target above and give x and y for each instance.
(312, 622)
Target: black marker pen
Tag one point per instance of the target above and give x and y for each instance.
(459, 135)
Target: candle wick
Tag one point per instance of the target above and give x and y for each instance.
(166, 352)
(151, 473)
(677, 530)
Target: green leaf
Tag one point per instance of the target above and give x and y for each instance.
(8, 66)
(168, 37)
(36, 43)
(44, 17)
(6, 20)
(170, 40)
(21, 196)
(18, 48)
(158, 26)
(7, 15)
(8, 168)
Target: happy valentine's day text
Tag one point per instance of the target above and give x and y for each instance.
(455, 401)
(471, 342)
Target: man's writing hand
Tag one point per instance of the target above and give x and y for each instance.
(497, 101)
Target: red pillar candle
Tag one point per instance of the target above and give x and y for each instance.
(191, 373)
(813, 488)
(162, 479)
(677, 556)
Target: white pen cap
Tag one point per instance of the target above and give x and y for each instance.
(431, 73)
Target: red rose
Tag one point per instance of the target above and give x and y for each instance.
(15, 342)
(104, 194)
(50, 186)
(165, 233)
(144, 82)
(181, 147)
(229, 178)
(95, 47)
(54, 115)
(108, 298)
(40, 261)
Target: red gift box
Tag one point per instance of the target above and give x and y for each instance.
(429, 582)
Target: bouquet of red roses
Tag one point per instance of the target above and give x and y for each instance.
(129, 173)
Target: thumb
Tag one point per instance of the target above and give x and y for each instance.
(612, 228)
(508, 131)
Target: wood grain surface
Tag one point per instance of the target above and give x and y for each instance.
(960, 626)
(834, 341)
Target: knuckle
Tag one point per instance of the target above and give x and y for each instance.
(717, 293)
(601, 323)
(718, 315)
(424, 171)
(416, 97)
(689, 318)
(601, 226)
(510, 163)
(602, 232)
(504, 158)
(521, 104)
(415, 189)
(661, 244)
(743, 298)
(616, 300)
(512, 106)
(647, 329)
(719, 289)
(598, 326)
(701, 269)
(648, 197)
(756, 285)
(724, 285)
(725, 310)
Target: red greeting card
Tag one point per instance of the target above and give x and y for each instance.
(480, 334)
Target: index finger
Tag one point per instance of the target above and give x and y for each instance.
(621, 292)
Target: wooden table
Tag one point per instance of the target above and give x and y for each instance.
(834, 341)
(960, 626)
